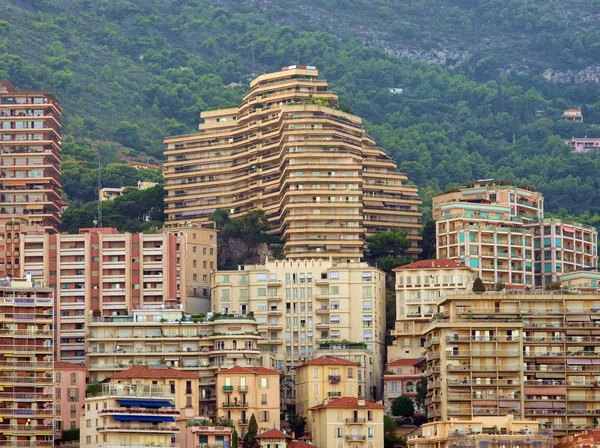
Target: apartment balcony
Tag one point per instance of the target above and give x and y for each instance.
(228, 388)
(235, 404)
(334, 394)
(27, 429)
(355, 438)
(355, 421)
(323, 310)
(243, 389)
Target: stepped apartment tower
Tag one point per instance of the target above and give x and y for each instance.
(289, 150)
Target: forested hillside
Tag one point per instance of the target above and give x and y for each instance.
(130, 72)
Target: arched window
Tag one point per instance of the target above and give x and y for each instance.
(74, 378)
(410, 387)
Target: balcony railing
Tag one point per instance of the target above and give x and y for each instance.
(355, 421)
(355, 438)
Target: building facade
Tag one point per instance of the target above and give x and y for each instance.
(27, 364)
(171, 338)
(499, 230)
(530, 355)
(326, 377)
(69, 394)
(482, 432)
(200, 433)
(583, 145)
(401, 378)
(108, 273)
(125, 414)
(347, 422)
(302, 304)
(289, 150)
(419, 286)
(30, 146)
(243, 391)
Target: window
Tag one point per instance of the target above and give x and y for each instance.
(263, 416)
(264, 383)
(262, 292)
(74, 379)
(370, 415)
(261, 277)
(88, 423)
(339, 432)
(367, 291)
(58, 377)
(368, 335)
(225, 294)
(263, 399)
(370, 432)
(350, 372)
(334, 290)
(334, 276)
(410, 387)
(88, 440)
(367, 306)
(58, 394)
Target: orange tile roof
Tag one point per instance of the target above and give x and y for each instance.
(403, 362)
(300, 444)
(348, 402)
(273, 434)
(249, 369)
(329, 361)
(436, 263)
(148, 372)
(68, 365)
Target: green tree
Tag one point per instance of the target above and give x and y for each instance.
(234, 439)
(428, 235)
(478, 286)
(422, 394)
(250, 440)
(297, 424)
(403, 406)
(390, 439)
(391, 243)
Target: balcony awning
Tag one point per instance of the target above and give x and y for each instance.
(510, 404)
(145, 403)
(144, 418)
(559, 405)
(556, 360)
(579, 362)
(578, 331)
(14, 182)
(546, 404)
(333, 247)
(373, 203)
(577, 318)
(402, 204)
(484, 403)
(548, 390)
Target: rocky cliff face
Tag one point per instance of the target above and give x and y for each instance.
(233, 252)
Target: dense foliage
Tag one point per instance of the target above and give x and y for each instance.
(130, 72)
(403, 406)
(134, 211)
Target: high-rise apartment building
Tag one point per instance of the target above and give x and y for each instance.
(26, 364)
(109, 273)
(419, 286)
(499, 230)
(171, 338)
(303, 304)
(289, 150)
(530, 355)
(30, 143)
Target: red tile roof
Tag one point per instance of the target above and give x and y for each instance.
(403, 362)
(437, 263)
(348, 402)
(68, 365)
(300, 444)
(249, 369)
(148, 372)
(273, 434)
(329, 361)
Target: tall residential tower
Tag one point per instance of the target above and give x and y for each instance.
(290, 150)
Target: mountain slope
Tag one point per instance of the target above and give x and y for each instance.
(134, 71)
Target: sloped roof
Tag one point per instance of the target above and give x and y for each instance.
(249, 369)
(436, 263)
(403, 362)
(148, 372)
(327, 360)
(348, 402)
(68, 365)
(273, 434)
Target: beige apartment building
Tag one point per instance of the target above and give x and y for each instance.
(302, 304)
(482, 432)
(171, 338)
(126, 414)
(30, 145)
(530, 355)
(26, 364)
(347, 422)
(111, 273)
(289, 150)
(246, 390)
(419, 286)
(326, 377)
(499, 230)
